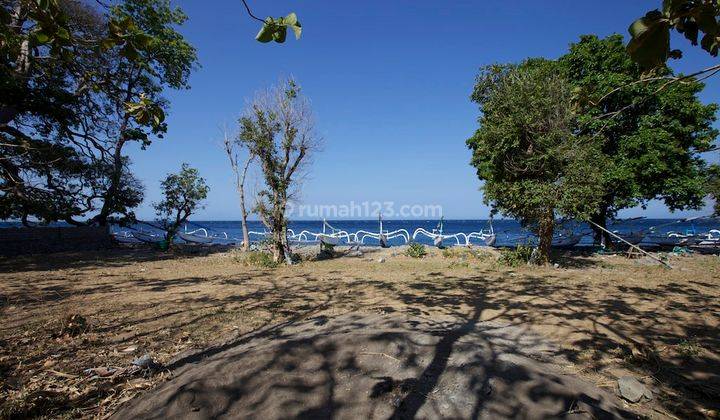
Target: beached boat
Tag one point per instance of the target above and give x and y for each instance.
(633, 237)
(670, 239)
(326, 239)
(150, 238)
(124, 237)
(707, 243)
(566, 241)
(193, 237)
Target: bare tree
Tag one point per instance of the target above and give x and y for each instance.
(278, 128)
(240, 168)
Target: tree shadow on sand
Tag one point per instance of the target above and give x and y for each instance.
(378, 366)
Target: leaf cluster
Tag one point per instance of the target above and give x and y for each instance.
(696, 20)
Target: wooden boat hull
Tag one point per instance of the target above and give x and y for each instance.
(632, 237)
(566, 241)
(195, 239)
(666, 240)
(328, 240)
(148, 237)
(125, 239)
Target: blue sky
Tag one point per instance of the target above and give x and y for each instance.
(389, 82)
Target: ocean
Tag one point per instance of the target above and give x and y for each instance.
(509, 232)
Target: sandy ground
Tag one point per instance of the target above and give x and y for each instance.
(610, 316)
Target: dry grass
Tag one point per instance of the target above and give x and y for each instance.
(610, 314)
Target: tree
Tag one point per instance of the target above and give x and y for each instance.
(129, 87)
(535, 169)
(278, 128)
(695, 19)
(240, 169)
(183, 194)
(63, 66)
(650, 134)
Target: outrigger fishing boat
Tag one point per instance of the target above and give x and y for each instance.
(124, 237)
(673, 238)
(147, 237)
(566, 240)
(382, 236)
(707, 242)
(632, 237)
(461, 239)
(197, 236)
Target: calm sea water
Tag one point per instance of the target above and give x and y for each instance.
(509, 232)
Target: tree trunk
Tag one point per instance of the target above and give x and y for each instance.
(243, 210)
(278, 245)
(546, 227)
(601, 237)
(109, 196)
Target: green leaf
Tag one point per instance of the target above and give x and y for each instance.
(142, 40)
(266, 31)
(705, 18)
(43, 4)
(297, 29)
(280, 34)
(710, 44)
(130, 52)
(41, 37)
(650, 43)
(291, 19)
(63, 34)
(107, 44)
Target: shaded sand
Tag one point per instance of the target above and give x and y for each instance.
(609, 315)
(378, 366)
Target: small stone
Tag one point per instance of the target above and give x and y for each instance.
(381, 260)
(556, 265)
(632, 390)
(145, 361)
(130, 349)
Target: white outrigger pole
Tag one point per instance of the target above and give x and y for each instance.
(383, 236)
(461, 239)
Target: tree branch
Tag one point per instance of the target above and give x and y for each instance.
(251, 13)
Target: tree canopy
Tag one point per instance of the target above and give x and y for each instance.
(651, 134)
(183, 193)
(78, 82)
(278, 129)
(533, 167)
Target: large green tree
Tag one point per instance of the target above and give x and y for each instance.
(278, 129)
(128, 88)
(77, 82)
(533, 166)
(45, 171)
(651, 134)
(183, 193)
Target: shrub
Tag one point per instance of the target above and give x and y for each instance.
(256, 259)
(415, 250)
(453, 252)
(516, 257)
